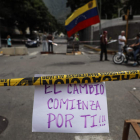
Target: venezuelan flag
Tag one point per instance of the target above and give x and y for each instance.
(82, 18)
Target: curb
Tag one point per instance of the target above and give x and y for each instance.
(96, 49)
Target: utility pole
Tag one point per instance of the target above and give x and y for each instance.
(0, 29)
(100, 28)
(130, 10)
(119, 12)
(100, 17)
(127, 18)
(106, 16)
(49, 27)
(0, 32)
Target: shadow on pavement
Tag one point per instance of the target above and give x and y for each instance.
(65, 64)
(130, 65)
(95, 61)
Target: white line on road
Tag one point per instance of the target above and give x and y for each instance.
(34, 53)
(98, 137)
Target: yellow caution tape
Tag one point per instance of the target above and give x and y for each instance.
(72, 78)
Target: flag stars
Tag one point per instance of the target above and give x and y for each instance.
(83, 16)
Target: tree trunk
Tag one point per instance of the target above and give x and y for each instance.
(24, 32)
(31, 30)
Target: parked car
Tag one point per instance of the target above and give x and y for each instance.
(32, 42)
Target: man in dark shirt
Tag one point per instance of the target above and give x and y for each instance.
(103, 42)
(136, 47)
(50, 45)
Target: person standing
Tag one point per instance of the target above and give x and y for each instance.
(50, 41)
(76, 38)
(121, 41)
(9, 43)
(76, 43)
(103, 43)
(136, 47)
(44, 42)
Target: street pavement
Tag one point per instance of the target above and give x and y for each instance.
(16, 103)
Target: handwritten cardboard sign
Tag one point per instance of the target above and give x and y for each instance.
(75, 108)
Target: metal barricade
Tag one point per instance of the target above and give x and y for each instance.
(73, 46)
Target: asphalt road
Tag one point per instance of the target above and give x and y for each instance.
(16, 103)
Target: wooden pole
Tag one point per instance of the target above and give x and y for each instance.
(127, 18)
(73, 49)
(126, 131)
(99, 12)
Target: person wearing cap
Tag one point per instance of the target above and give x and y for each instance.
(136, 47)
(103, 43)
(76, 38)
(121, 41)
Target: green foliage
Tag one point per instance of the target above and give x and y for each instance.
(27, 13)
(74, 4)
(135, 4)
(109, 7)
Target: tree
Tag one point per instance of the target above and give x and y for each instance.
(109, 7)
(27, 13)
(74, 4)
(135, 4)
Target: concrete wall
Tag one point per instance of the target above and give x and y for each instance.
(15, 51)
(85, 35)
(114, 28)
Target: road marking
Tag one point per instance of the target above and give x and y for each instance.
(83, 53)
(34, 53)
(95, 137)
(44, 54)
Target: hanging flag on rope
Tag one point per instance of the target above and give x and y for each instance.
(82, 18)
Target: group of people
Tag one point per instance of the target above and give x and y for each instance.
(47, 42)
(121, 44)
